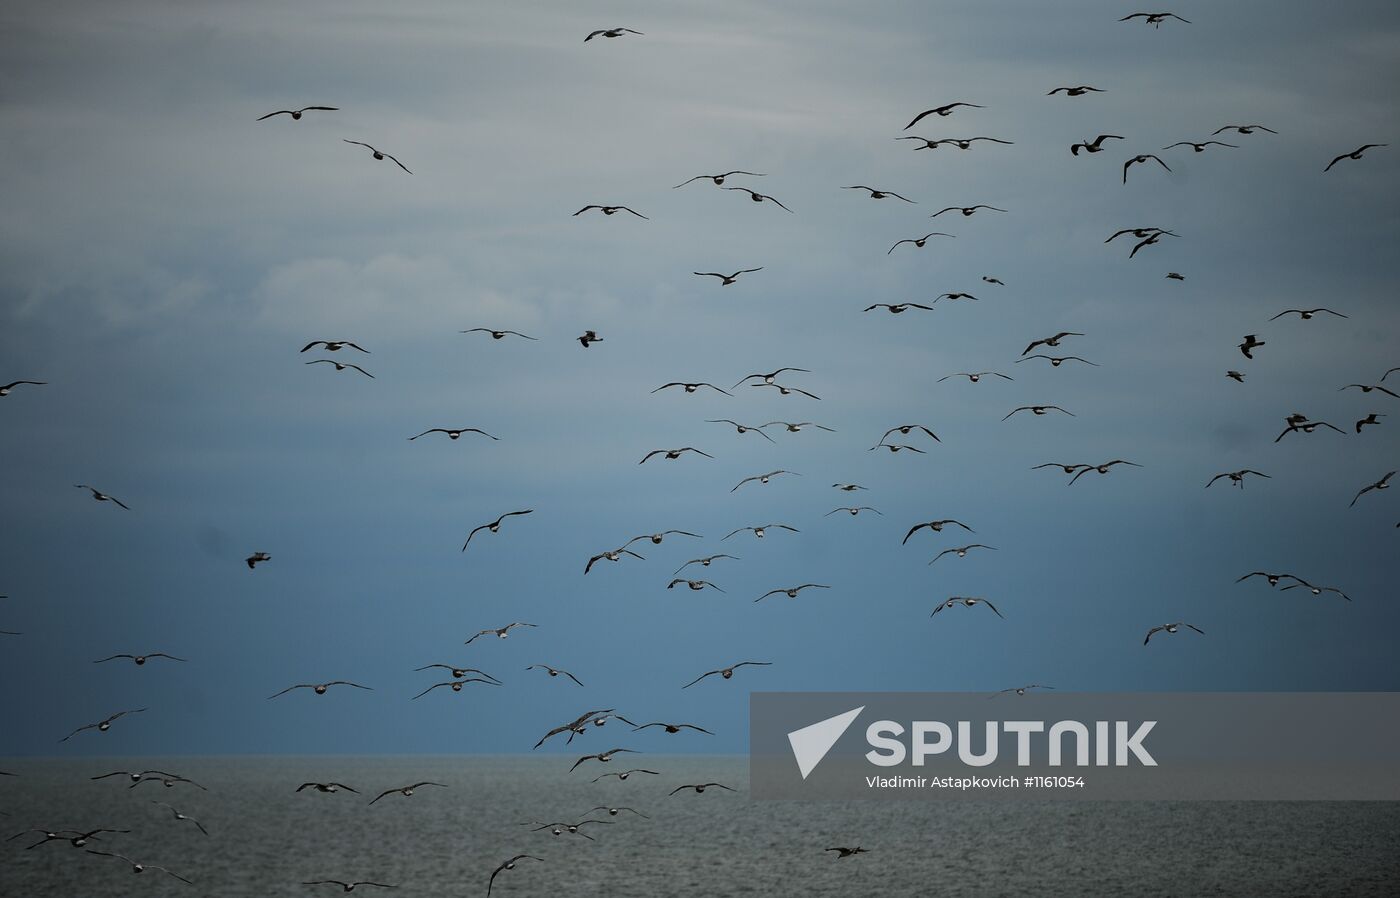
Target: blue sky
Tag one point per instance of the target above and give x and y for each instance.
(165, 256)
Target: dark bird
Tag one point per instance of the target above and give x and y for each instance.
(878, 194)
(622, 775)
(137, 867)
(1201, 147)
(853, 510)
(700, 787)
(1235, 375)
(719, 179)
(1249, 344)
(741, 428)
(610, 210)
(347, 886)
(848, 852)
(1102, 469)
(1079, 91)
(726, 279)
(726, 672)
(1315, 590)
(1366, 388)
(905, 429)
(5, 390)
(508, 865)
(1068, 469)
(955, 297)
(1174, 276)
(498, 632)
(672, 728)
(1306, 314)
(691, 387)
(1172, 628)
(589, 337)
(138, 777)
(769, 378)
(1382, 484)
(495, 335)
(759, 531)
(1142, 157)
(656, 538)
(1237, 477)
(458, 673)
(1273, 579)
(1155, 19)
(256, 559)
(613, 811)
(554, 672)
(494, 526)
(962, 143)
(1051, 341)
(1139, 233)
(602, 757)
(896, 308)
(763, 478)
(791, 427)
(961, 551)
(896, 447)
(379, 154)
(941, 111)
(1056, 361)
(704, 562)
(610, 32)
(672, 454)
(967, 211)
(296, 113)
(575, 727)
(935, 526)
(976, 376)
(333, 345)
(101, 496)
(1037, 410)
(1021, 690)
(572, 828)
(1243, 129)
(695, 585)
(341, 366)
(1354, 154)
(455, 686)
(139, 659)
(787, 391)
(614, 555)
(320, 688)
(328, 788)
(453, 434)
(103, 725)
(1306, 426)
(71, 836)
(791, 592)
(919, 242)
(179, 816)
(848, 487)
(967, 602)
(1371, 418)
(1092, 146)
(760, 197)
(406, 791)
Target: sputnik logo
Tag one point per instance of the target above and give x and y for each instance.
(811, 743)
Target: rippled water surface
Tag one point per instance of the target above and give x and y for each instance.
(266, 840)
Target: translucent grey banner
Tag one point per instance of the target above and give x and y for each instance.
(1087, 746)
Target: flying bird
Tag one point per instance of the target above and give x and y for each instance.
(656, 538)
(453, 434)
(935, 526)
(1155, 19)
(179, 816)
(741, 428)
(1273, 579)
(726, 279)
(1306, 314)
(878, 194)
(791, 592)
(101, 496)
(1092, 146)
(102, 726)
(1171, 628)
(333, 345)
(610, 32)
(1315, 590)
(256, 559)
(896, 308)
(1243, 129)
(139, 659)
(895, 447)
(691, 387)
(967, 602)
(1250, 344)
(704, 562)
(695, 585)
(341, 366)
(347, 886)
(499, 632)
(976, 376)
(853, 510)
(962, 143)
(1371, 418)
(5, 390)
(554, 672)
(1235, 375)
(622, 775)
(905, 429)
(942, 111)
(457, 672)
(673, 454)
(672, 728)
(1142, 157)
(726, 672)
(320, 688)
(602, 757)
(614, 555)
(328, 788)
(610, 210)
(495, 335)
(848, 852)
(701, 787)
(763, 478)
(719, 179)
(1354, 154)
(848, 487)
(1382, 484)
(379, 154)
(769, 378)
(1201, 147)
(759, 531)
(1037, 410)
(574, 727)
(1366, 388)
(1175, 276)
(455, 686)
(296, 113)
(1056, 361)
(494, 526)
(1050, 341)
(613, 811)
(406, 791)
(1102, 469)
(787, 391)
(760, 197)
(507, 865)
(137, 867)
(1237, 477)
(961, 551)
(1021, 690)
(589, 337)
(918, 242)
(966, 211)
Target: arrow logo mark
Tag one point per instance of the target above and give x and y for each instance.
(811, 743)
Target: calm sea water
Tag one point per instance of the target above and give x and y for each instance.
(265, 839)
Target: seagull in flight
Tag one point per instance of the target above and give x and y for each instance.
(320, 688)
(494, 526)
(1366, 388)
(1141, 157)
(905, 429)
(691, 387)
(1273, 579)
(961, 551)
(848, 852)
(1051, 341)
(760, 197)
(1093, 146)
(347, 886)
(102, 726)
(1155, 19)
(853, 510)
(1382, 484)
(656, 538)
(879, 194)
(406, 791)
(672, 454)
(967, 211)
(1306, 314)
(848, 487)
(935, 526)
(333, 345)
(602, 757)
(495, 335)
(328, 788)
(457, 672)
(704, 562)
(763, 478)
(1079, 91)
(918, 242)
(1021, 690)
(742, 428)
(941, 111)
(726, 672)
(507, 865)
(769, 377)
(554, 672)
(256, 559)
(453, 434)
(610, 210)
(499, 632)
(1243, 129)
(967, 602)
(613, 811)
(719, 179)
(589, 337)
(726, 279)
(1201, 147)
(5, 390)
(976, 376)
(695, 585)
(296, 113)
(380, 154)
(101, 496)
(1056, 361)
(622, 775)
(179, 816)
(1315, 590)
(1372, 418)
(1250, 344)
(137, 867)
(791, 592)
(672, 728)
(701, 787)
(896, 308)
(1037, 410)
(1102, 469)
(895, 447)
(455, 685)
(614, 555)
(139, 660)
(759, 531)
(787, 391)
(1171, 628)
(341, 366)
(577, 726)
(1237, 477)
(610, 32)
(1354, 154)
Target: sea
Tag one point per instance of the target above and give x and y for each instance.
(265, 839)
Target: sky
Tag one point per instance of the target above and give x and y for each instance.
(165, 256)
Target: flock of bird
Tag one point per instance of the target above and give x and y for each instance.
(905, 438)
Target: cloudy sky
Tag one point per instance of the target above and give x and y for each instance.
(165, 256)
